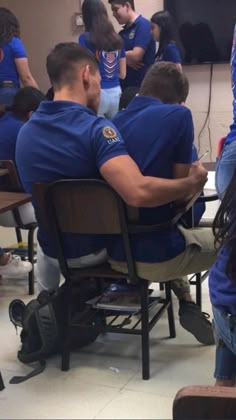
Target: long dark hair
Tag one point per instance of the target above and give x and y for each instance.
(101, 31)
(224, 226)
(167, 30)
(9, 25)
(26, 100)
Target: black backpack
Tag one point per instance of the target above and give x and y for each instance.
(41, 322)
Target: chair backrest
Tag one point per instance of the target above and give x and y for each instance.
(88, 207)
(205, 402)
(81, 206)
(10, 181)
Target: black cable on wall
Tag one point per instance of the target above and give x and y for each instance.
(207, 120)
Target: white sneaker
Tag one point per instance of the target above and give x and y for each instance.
(15, 267)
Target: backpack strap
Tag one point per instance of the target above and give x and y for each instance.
(36, 371)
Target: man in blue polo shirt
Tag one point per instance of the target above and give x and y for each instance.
(158, 133)
(66, 139)
(138, 42)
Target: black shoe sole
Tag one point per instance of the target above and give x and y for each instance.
(191, 324)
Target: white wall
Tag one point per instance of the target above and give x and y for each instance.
(46, 22)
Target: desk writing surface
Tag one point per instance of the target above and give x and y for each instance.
(11, 200)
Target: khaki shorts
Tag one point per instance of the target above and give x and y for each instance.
(199, 255)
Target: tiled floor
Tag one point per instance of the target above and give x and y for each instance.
(105, 378)
(104, 381)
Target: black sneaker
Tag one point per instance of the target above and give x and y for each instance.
(16, 312)
(196, 322)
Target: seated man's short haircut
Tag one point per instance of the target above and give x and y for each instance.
(123, 2)
(127, 95)
(164, 81)
(63, 61)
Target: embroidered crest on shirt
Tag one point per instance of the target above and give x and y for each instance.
(132, 35)
(110, 135)
(110, 62)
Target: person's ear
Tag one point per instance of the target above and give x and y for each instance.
(86, 75)
(30, 115)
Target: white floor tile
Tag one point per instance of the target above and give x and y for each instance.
(53, 398)
(137, 405)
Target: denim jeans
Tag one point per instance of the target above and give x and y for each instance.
(225, 334)
(109, 102)
(7, 94)
(225, 168)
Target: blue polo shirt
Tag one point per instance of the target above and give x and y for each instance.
(8, 53)
(222, 288)
(9, 129)
(170, 53)
(157, 136)
(109, 62)
(138, 34)
(65, 140)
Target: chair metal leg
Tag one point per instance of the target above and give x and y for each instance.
(199, 289)
(2, 386)
(162, 286)
(170, 311)
(18, 235)
(65, 359)
(145, 331)
(31, 259)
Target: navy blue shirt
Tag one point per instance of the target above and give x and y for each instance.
(138, 34)
(9, 129)
(65, 140)
(222, 287)
(157, 136)
(109, 62)
(170, 53)
(8, 53)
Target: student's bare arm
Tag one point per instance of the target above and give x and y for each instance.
(122, 68)
(25, 75)
(134, 57)
(181, 170)
(137, 190)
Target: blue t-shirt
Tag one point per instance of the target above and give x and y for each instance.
(8, 53)
(222, 288)
(65, 140)
(138, 34)
(9, 129)
(157, 136)
(109, 62)
(170, 53)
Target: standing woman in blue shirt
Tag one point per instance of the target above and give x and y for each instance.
(226, 163)
(162, 29)
(101, 38)
(14, 67)
(222, 285)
